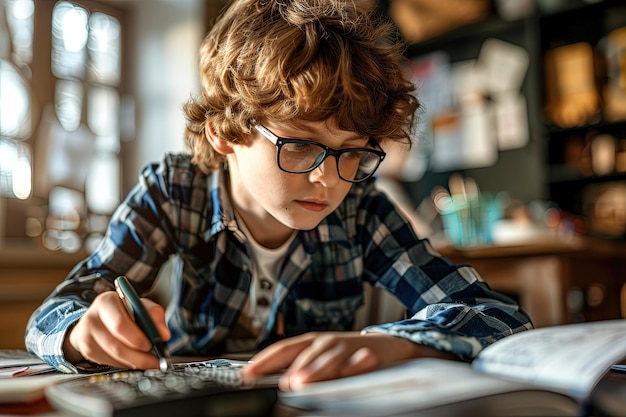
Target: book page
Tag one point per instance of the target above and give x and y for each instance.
(417, 385)
(18, 362)
(23, 377)
(566, 358)
(29, 388)
(17, 357)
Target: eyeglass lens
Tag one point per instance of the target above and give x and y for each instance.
(303, 157)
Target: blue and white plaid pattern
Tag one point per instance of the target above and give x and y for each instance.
(177, 211)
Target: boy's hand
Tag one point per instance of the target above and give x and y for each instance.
(107, 335)
(315, 357)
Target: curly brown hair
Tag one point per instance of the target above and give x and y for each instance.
(300, 60)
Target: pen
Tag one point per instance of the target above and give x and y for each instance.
(138, 312)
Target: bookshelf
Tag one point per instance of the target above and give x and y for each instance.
(555, 164)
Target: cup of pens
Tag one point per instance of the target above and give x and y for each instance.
(467, 214)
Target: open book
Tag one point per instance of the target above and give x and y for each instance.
(23, 379)
(545, 371)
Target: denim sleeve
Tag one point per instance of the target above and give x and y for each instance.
(449, 306)
(460, 315)
(139, 239)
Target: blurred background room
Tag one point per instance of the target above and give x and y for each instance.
(518, 167)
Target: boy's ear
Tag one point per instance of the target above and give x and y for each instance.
(221, 146)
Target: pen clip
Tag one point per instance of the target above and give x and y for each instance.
(125, 301)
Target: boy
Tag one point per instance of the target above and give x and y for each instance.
(274, 222)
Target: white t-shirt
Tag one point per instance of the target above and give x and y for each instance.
(266, 265)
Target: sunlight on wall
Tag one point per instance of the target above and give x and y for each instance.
(166, 74)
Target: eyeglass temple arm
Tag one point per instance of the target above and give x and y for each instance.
(265, 132)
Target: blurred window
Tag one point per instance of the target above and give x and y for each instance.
(60, 156)
(16, 42)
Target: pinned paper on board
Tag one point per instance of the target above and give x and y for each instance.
(473, 108)
(431, 74)
(505, 66)
(463, 136)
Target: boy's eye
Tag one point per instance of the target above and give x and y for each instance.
(302, 147)
(352, 155)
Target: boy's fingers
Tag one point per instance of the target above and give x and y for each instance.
(120, 324)
(157, 314)
(322, 357)
(276, 357)
(331, 358)
(94, 342)
(363, 360)
(314, 365)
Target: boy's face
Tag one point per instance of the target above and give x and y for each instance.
(297, 201)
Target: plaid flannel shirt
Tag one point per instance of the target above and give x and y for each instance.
(177, 211)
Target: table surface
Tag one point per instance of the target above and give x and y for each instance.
(610, 392)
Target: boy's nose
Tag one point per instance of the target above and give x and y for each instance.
(326, 173)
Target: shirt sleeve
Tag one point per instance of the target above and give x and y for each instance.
(449, 306)
(139, 239)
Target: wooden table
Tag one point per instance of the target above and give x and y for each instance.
(27, 276)
(557, 282)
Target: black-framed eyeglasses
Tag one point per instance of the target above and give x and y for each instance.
(299, 156)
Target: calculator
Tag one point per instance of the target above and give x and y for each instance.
(205, 388)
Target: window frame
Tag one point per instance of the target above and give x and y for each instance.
(42, 84)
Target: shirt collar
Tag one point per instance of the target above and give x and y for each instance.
(223, 215)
